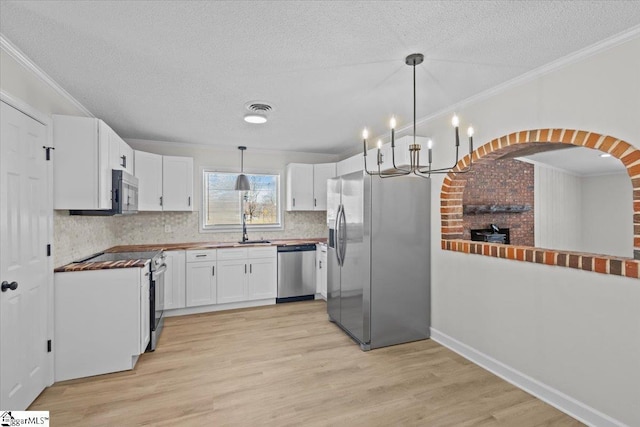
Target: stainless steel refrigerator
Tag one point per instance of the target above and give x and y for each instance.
(378, 288)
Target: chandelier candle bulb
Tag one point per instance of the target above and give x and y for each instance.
(430, 146)
(365, 135)
(470, 133)
(379, 152)
(455, 121)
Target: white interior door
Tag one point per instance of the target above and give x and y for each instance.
(24, 216)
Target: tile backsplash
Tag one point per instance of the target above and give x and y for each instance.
(79, 236)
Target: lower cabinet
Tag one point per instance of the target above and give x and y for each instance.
(221, 276)
(321, 270)
(174, 280)
(247, 274)
(201, 278)
(232, 286)
(263, 278)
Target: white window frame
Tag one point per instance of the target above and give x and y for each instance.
(238, 228)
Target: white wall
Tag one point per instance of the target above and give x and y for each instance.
(607, 215)
(575, 331)
(558, 209)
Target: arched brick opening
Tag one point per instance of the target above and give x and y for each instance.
(451, 209)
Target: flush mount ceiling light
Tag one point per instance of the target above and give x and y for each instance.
(414, 149)
(257, 112)
(242, 182)
(605, 155)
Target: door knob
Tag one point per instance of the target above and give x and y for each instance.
(6, 285)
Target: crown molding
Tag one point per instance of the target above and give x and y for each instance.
(22, 59)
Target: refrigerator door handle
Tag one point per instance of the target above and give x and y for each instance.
(343, 237)
(337, 228)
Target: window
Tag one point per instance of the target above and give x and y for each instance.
(223, 205)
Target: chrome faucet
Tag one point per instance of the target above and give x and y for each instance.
(244, 228)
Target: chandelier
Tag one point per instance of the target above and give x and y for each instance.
(414, 148)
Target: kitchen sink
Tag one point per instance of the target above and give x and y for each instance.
(253, 242)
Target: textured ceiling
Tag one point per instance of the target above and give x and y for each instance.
(183, 70)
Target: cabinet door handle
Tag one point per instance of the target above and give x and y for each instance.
(245, 269)
(124, 161)
(294, 201)
(160, 200)
(250, 268)
(213, 270)
(189, 201)
(320, 264)
(200, 256)
(315, 203)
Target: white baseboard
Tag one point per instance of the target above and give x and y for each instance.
(217, 307)
(553, 397)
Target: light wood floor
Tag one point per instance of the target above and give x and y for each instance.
(288, 365)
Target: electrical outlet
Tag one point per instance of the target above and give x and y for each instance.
(167, 228)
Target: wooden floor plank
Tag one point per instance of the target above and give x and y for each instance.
(288, 365)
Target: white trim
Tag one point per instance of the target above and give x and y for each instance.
(217, 307)
(544, 392)
(27, 63)
(331, 158)
(529, 76)
(25, 108)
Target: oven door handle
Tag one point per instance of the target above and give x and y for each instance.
(160, 270)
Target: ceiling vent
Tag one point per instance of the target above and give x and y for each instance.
(257, 112)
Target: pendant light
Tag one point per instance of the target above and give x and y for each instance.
(242, 182)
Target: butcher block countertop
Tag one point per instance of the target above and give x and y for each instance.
(211, 245)
(89, 265)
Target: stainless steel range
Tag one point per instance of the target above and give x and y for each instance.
(157, 268)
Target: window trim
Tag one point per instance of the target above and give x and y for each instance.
(238, 228)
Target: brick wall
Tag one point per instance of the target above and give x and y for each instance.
(452, 192)
(501, 182)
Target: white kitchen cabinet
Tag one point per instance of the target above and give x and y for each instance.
(82, 172)
(145, 314)
(262, 279)
(321, 173)
(201, 278)
(120, 154)
(352, 164)
(177, 183)
(247, 274)
(321, 270)
(101, 321)
(307, 186)
(148, 167)
(175, 280)
(299, 187)
(232, 283)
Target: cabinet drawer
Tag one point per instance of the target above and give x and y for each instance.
(233, 253)
(201, 256)
(263, 252)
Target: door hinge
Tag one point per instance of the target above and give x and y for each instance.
(48, 152)
(49, 249)
(48, 346)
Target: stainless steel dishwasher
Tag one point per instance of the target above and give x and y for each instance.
(296, 273)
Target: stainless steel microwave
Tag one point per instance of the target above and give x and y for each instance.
(124, 196)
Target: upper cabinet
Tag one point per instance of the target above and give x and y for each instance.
(307, 186)
(299, 187)
(86, 150)
(148, 167)
(321, 173)
(165, 182)
(177, 183)
(120, 154)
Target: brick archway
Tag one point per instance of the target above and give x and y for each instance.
(453, 188)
